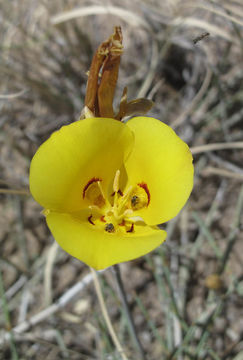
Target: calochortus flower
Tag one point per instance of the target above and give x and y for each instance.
(105, 185)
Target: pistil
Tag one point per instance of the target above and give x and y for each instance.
(121, 212)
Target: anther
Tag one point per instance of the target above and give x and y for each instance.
(109, 227)
(140, 197)
(134, 200)
(116, 181)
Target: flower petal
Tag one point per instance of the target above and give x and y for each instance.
(162, 161)
(72, 156)
(98, 248)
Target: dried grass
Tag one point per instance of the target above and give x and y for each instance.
(48, 306)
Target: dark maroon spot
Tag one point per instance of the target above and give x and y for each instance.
(119, 192)
(131, 228)
(102, 218)
(90, 220)
(91, 181)
(145, 187)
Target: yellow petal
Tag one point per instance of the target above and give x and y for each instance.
(72, 156)
(163, 161)
(98, 248)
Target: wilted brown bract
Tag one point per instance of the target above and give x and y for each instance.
(134, 107)
(100, 89)
(102, 82)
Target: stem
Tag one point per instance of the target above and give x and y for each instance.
(130, 321)
(106, 316)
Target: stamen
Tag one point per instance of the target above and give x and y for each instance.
(121, 210)
(109, 227)
(136, 219)
(124, 199)
(140, 197)
(101, 189)
(119, 192)
(128, 192)
(128, 212)
(95, 208)
(116, 181)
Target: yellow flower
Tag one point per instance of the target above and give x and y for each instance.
(105, 185)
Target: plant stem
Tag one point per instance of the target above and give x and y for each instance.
(129, 318)
(106, 315)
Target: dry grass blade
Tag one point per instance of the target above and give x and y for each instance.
(195, 100)
(106, 316)
(14, 191)
(222, 172)
(213, 10)
(233, 8)
(50, 310)
(151, 71)
(52, 253)
(125, 15)
(13, 96)
(218, 146)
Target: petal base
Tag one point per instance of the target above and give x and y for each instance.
(98, 248)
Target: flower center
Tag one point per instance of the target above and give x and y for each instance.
(115, 213)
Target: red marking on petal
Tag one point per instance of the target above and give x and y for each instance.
(102, 218)
(90, 220)
(91, 181)
(119, 192)
(122, 223)
(131, 228)
(145, 187)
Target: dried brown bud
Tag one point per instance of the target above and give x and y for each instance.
(103, 76)
(102, 80)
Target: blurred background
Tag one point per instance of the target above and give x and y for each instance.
(186, 296)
